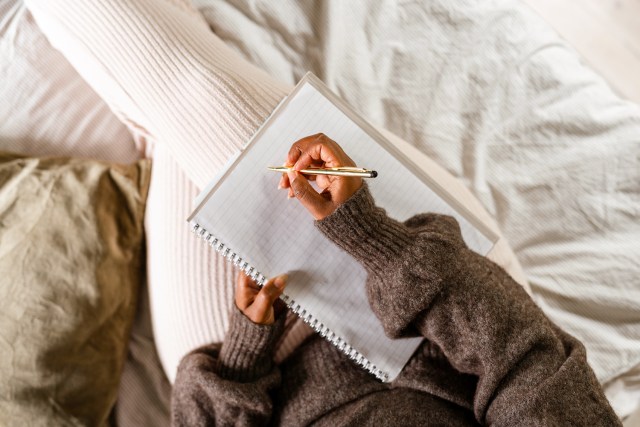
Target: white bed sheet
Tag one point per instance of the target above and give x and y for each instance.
(484, 88)
(46, 109)
(490, 92)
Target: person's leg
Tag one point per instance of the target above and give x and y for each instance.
(162, 70)
(174, 83)
(190, 286)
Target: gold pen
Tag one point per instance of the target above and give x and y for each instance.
(339, 171)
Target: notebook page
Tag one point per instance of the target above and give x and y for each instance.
(276, 235)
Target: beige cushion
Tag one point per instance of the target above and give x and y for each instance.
(71, 261)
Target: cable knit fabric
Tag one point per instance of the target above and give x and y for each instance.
(246, 354)
(490, 356)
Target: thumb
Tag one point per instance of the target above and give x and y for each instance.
(317, 205)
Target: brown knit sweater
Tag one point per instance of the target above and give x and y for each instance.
(490, 356)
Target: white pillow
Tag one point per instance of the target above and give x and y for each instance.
(47, 108)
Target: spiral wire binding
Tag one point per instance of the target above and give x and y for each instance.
(307, 317)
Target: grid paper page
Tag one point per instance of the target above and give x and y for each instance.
(276, 235)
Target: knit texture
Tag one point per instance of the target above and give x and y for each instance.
(359, 224)
(490, 355)
(246, 353)
(207, 112)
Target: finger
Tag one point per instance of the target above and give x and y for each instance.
(317, 205)
(304, 161)
(294, 154)
(284, 181)
(272, 290)
(323, 181)
(261, 309)
(314, 149)
(246, 290)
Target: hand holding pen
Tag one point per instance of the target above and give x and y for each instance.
(313, 152)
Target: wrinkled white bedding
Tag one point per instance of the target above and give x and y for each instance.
(45, 108)
(496, 97)
(484, 88)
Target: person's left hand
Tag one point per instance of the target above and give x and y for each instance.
(258, 303)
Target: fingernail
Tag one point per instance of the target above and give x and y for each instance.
(281, 281)
(292, 176)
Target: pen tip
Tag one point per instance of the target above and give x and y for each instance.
(374, 174)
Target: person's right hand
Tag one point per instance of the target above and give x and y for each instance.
(319, 151)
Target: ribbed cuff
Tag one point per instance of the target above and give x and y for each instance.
(248, 348)
(365, 231)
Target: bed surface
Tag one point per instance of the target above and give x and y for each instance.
(491, 93)
(486, 89)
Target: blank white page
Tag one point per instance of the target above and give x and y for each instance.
(245, 210)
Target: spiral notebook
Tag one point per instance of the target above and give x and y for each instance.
(243, 216)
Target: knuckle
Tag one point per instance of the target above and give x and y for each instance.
(298, 189)
(295, 151)
(262, 295)
(263, 300)
(299, 193)
(267, 290)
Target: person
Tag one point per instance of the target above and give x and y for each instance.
(192, 103)
(132, 52)
(489, 356)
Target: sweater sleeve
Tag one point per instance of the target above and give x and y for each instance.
(422, 279)
(229, 383)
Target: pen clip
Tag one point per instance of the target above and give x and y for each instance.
(345, 169)
(335, 169)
